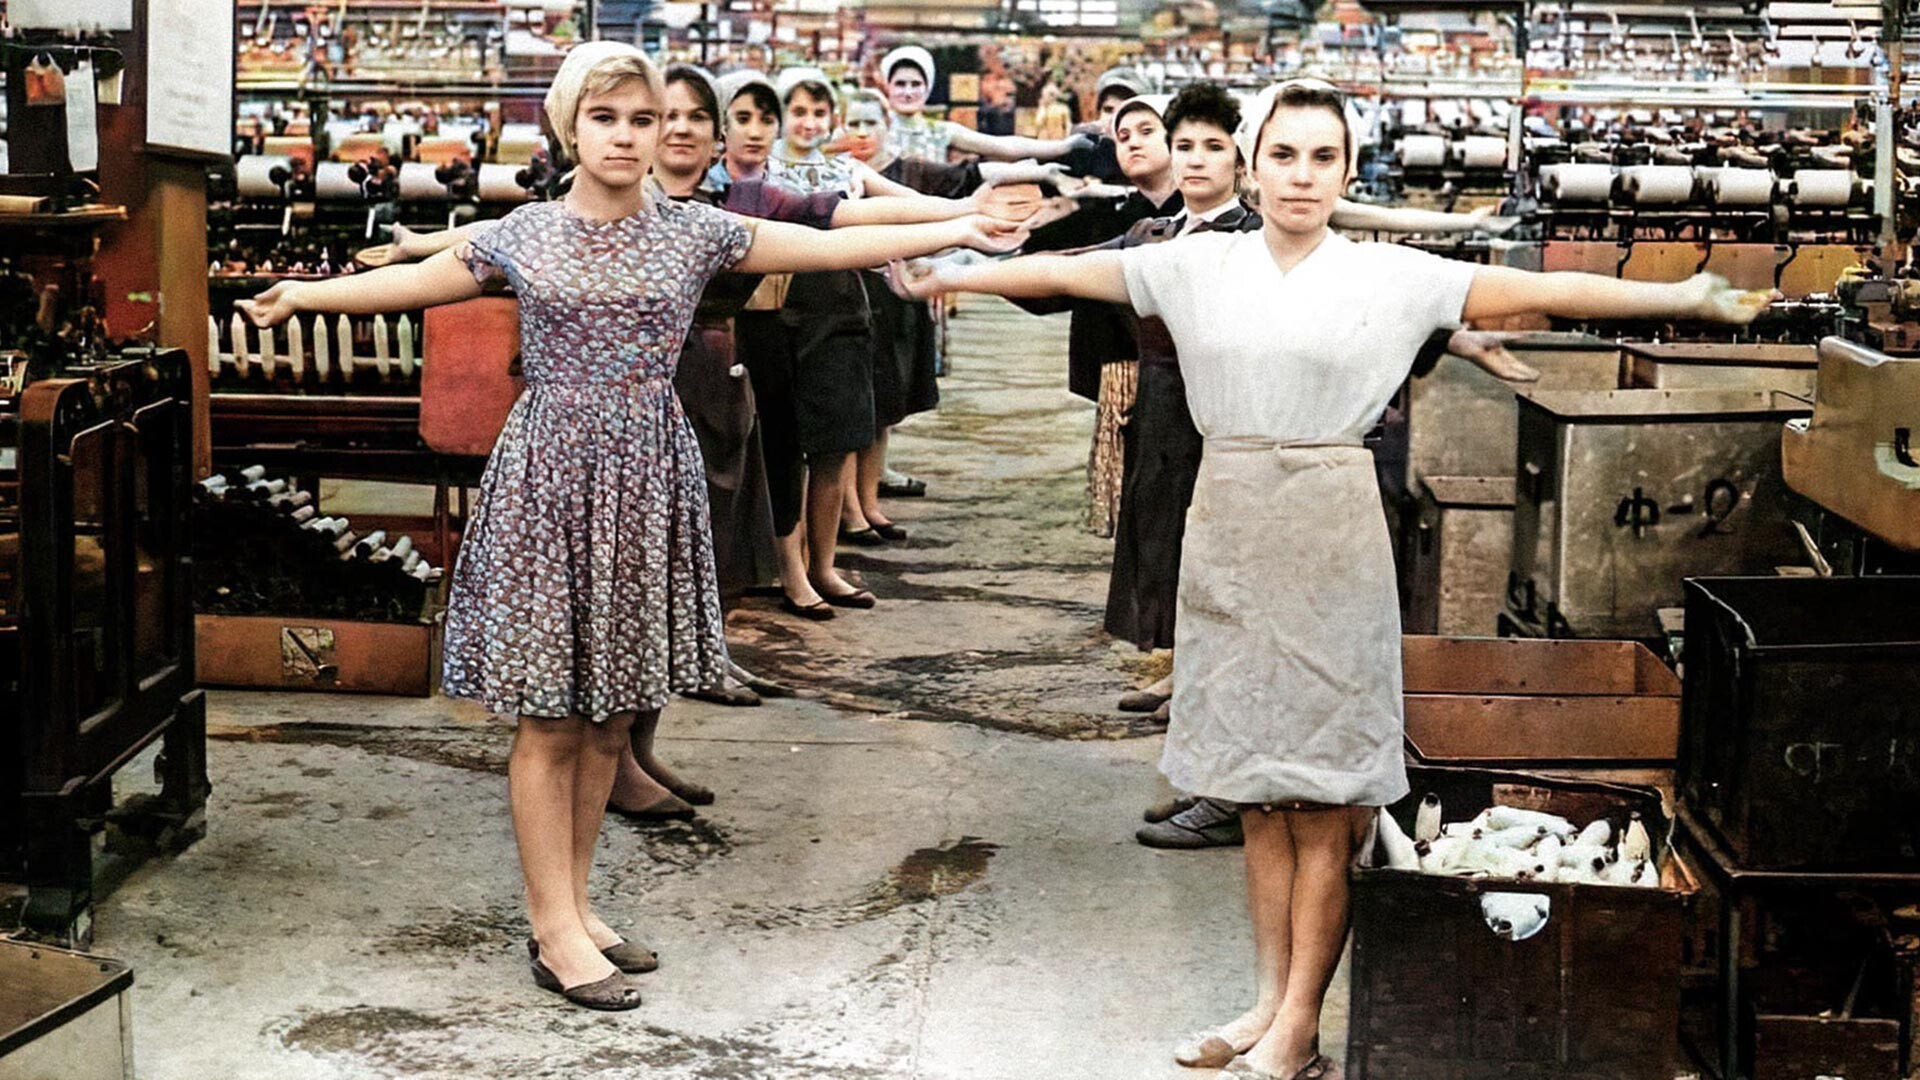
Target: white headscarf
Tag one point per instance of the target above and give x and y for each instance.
(1255, 116)
(794, 76)
(569, 83)
(1124, 77)
(911, 54)
(1154, 103)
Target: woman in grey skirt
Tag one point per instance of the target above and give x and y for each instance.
(1287, 679)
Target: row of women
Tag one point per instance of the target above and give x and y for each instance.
(586, 591)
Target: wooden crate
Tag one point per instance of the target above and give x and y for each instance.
(1595, 995)
(272, 653)
(1538, 702)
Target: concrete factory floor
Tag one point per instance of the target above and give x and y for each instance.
(922, 868)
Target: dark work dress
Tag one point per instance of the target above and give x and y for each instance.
(906, 345)
(1163, 459)
(723, 408)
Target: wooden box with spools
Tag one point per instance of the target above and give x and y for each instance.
(1444, 989)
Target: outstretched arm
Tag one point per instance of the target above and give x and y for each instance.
(781, 248)
(1501, 291)
(1012, 147)
(442, 279)
(1095, 275)
(1403, 219)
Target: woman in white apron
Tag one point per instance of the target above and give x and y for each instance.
(1287, 681)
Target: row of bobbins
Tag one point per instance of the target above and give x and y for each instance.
(314, 356)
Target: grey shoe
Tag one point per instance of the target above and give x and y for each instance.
(1207, 823)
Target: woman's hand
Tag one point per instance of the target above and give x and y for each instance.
(1485, 220)
(993, 235)
(1489, 353)
(273, 307)
(1717, 301)
(1007, 202)
(915, 280)
(994, 173)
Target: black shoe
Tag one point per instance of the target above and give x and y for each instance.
(890, 531)
(1207, 823)
(818, 611)
(867, 537)
(859, 598)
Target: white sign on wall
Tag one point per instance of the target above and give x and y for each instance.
(190, 76)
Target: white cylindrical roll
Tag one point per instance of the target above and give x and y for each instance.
(1579, 183)
(340, 129)
(254, 174)
(1423, 151)
(322, 350)
(213, 346)
(497, 184)
(1663, 185)
(417, 182)
(1822, 187)
(381, 358)
(1483, 152)
(296, 350)
(343, 342)
(331, 181)
(403, 331)
(1739, 187)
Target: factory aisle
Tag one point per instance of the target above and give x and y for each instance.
(922, 869)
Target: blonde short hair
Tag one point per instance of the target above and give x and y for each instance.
(596, 67)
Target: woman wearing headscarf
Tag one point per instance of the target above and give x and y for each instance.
(1287, 674)
(907, 73)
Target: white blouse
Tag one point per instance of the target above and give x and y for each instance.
(1311, 355)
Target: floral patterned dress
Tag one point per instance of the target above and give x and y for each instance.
(585, 584)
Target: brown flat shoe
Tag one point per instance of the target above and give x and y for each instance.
(1143, 701)
(615, 993)
(670, 807)
(631, 958)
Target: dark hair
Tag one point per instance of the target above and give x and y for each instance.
(814, 89)
(763, 98)
(1203, 103)
(1310, 97)
(696, 80)
(898, 64)
(1119, 90)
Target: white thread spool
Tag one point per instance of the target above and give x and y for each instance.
(1822, 187)
(1657, 185)
(498, 184)
(242, 358)
(1578, 183)
(1483, 152)
(1728, 186)
(381, 360)
(1423, 151)
(322, 350)
(296, 350)
(404, 331)
(343, 334)
(418, 184)
(253, 174)
(213, 346)
(331, 181)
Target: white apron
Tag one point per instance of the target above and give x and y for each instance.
(1287, 645)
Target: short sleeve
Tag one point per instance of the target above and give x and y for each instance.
(720, 239)
(1436, 287)
(482, 253)
(1151, 271)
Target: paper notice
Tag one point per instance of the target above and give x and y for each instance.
(83, 120)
